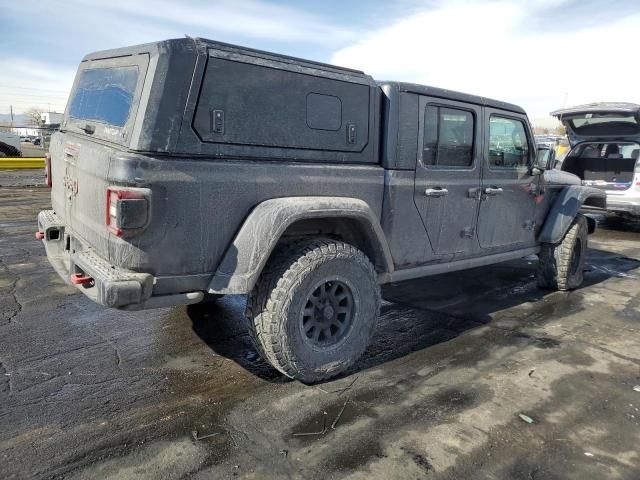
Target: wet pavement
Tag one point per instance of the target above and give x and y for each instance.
(87, 392)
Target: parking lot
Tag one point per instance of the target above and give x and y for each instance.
(473, 374)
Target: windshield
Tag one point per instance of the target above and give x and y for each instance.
(105, 95)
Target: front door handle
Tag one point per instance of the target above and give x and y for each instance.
(436, 192)
(493, 191)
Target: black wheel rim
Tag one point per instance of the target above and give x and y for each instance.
(576, 256)
(328, 314)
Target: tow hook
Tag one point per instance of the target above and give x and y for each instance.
(81, 279)
(39, 235)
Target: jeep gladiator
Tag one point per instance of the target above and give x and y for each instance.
(189, 169)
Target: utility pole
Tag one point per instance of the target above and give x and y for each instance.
(11, 109)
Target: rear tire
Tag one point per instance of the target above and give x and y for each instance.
(314, 308)
(561, 265)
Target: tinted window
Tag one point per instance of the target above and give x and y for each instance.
(105, 95)
(508, 146)
(448, 137)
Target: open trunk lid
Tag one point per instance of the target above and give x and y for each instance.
(604, 122)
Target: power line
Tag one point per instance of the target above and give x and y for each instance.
(34, 88)
(20, 95)
(33, 102)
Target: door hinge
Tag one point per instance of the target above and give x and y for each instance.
(467, 232)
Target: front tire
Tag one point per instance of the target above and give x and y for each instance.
(561, 266)
(314, 308)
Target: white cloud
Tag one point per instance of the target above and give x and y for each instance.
(28, 83)
(84, 26)
(485, 48)
(247, 18)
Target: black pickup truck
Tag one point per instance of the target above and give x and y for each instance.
(189, 169)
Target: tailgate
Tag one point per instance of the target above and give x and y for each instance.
(79, 172)
(98, 122)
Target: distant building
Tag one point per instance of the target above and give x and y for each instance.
(26, 131)
(48, 121)
(51, 119)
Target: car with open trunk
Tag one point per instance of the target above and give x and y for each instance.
(605, 151)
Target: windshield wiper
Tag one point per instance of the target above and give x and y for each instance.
(89, 129)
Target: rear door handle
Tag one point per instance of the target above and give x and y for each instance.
(436, 192)
(493, 191)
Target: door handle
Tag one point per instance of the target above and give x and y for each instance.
(493, 191)
(436, 192)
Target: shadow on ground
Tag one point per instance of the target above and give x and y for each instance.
(422, 313)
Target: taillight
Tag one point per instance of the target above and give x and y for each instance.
(127, 210)
(47, 169)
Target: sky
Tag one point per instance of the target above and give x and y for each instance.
(539, 54)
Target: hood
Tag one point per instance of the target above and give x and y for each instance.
(601, 122)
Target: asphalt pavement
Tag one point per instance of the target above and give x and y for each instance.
(476, 374)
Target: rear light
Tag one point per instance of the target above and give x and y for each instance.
(47, 169)
(127, 210)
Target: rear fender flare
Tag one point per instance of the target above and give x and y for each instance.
(565, 208)
(248, 253)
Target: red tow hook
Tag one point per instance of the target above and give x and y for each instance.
(80, 279)
(39, 235)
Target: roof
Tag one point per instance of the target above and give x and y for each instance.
(600, 107)
(198, 41)
(452, 95)
(228, 46)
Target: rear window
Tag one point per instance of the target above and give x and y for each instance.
(105, 95)
(604, 124)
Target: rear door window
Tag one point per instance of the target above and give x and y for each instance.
(448, 137)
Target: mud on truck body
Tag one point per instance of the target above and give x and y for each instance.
(189, 169)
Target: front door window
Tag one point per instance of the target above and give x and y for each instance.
(508, 146)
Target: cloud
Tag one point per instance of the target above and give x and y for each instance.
(248, 18)
(48, 46)
(486, 48)
(29, 83)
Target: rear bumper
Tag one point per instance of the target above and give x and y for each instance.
(109, 285)
(620, 205)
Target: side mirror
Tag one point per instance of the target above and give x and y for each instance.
(545, 160)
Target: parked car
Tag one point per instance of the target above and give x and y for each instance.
(546, 141)
(9, 145)
(226, 170)
(605, 151)
(37, 141)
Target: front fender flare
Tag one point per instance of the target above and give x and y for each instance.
(566, 207)
(248, 253)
